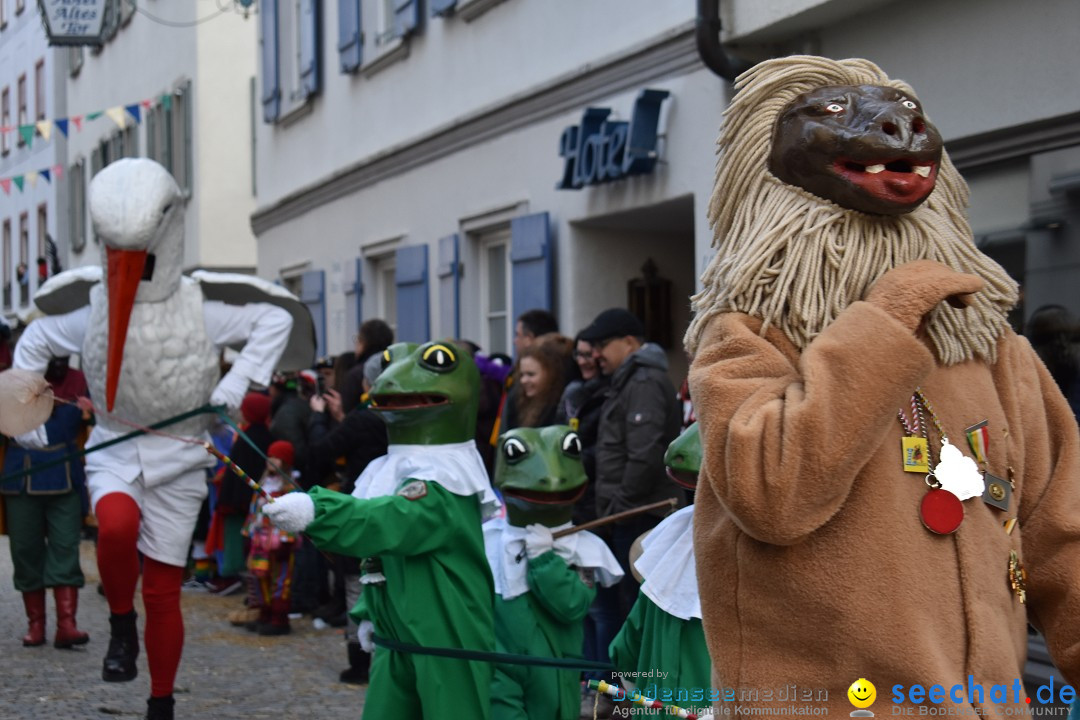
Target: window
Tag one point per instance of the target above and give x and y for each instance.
(385, 286)
(180, 137)
(291, 48)
(22, 272)
(20, 5)
(3, 19)
(42, 229)
(7, 261)
(5, 119)
(21, 119)
(391, 21)
(75, 59)
(495, 298)
(39, 90)
(77, 214)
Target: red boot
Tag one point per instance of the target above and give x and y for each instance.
(35, 613)
(67, 604)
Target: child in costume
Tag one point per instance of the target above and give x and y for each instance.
(847, 325)
(543, 585)
(415, 517)
(271, 558)
(663, 630)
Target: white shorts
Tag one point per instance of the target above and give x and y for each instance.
(169, 511)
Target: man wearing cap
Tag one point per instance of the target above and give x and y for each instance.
(639, 419)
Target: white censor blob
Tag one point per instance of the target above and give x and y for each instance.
(958, 473)
(26, 401)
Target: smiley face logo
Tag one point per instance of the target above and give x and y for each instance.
(862, 693)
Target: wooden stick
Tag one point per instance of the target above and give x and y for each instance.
(599, 522)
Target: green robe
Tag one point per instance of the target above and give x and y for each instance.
(438, 593)
(652, 640)
(544, 622)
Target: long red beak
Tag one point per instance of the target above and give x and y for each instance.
(125, 272)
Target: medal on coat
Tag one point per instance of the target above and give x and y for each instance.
(1017, 577)
(998, 492)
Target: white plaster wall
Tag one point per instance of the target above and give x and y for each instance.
(454, 69)
(977, 65)
(518, 167)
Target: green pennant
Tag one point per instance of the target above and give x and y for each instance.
(95, 115)
(166, 101)
(18, 179)
(27, 132)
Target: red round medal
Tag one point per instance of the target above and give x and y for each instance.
(941, 511)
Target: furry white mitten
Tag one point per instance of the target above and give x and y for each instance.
(365, 633)
(230, 391)
(538, 540)
(292, 512)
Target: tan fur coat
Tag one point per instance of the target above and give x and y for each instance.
(813, 564)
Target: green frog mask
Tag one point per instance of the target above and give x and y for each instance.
(683, 457)
(427, 394)
(540, 475)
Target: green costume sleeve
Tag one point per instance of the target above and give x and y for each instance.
(412, 524)
(625, 648)
(559, 588)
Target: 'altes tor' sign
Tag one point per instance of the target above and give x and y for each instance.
(73, 22)
(601, 150)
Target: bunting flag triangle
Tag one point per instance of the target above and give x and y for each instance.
(116, 114)
(27, 132)
(45, 174)
(5, 183)
(58, 172)
(61, 125)
(18, 180)
(166, 102)
(44, 127)
(147, 104)
(78, 122)
(32, 177)
(94, 115)
(135, 112)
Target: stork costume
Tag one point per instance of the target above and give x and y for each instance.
(149, 340)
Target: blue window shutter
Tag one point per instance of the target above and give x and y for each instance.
(313, 294)
(354, 298)
(271, 83)
(442, 7)
(350, 46)
(531, 262)
(309, 46)
(406, 16)
(411, 278)
(449, 272)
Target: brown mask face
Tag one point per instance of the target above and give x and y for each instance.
(865, 147)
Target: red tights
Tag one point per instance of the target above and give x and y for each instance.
(118, 564)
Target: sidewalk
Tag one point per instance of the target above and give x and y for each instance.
(226, 673)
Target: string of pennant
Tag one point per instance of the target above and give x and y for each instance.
(118, 114)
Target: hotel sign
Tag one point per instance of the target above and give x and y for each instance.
(600, 150)
(74, 22)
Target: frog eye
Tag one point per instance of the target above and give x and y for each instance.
(571, 445)
(909, 105)
(385, 359)
(514, 450)
(834, 108)
(439, 358)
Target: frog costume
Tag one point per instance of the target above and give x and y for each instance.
(543, 585)
(663, 631)
(415, 517)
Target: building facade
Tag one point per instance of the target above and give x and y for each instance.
(172, 82)
(448, 164)
(33, 198)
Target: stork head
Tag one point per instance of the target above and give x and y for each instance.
(136, 209)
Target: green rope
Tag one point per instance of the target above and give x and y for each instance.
(568, 663)
(109, 443)
(231, 423)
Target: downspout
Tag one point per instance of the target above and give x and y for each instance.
(708, 42)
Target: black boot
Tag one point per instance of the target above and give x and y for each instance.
(359, 663)
(160, 708)
(119, 665)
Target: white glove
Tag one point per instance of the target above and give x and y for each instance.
(291, 512)
(366, 635)
(230, 391)
(34, 439)
(538, 540)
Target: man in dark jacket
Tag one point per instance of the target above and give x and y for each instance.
(640, 417)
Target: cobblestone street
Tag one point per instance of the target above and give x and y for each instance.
(226, 672)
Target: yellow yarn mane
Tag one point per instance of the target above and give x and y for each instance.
(796, 260)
